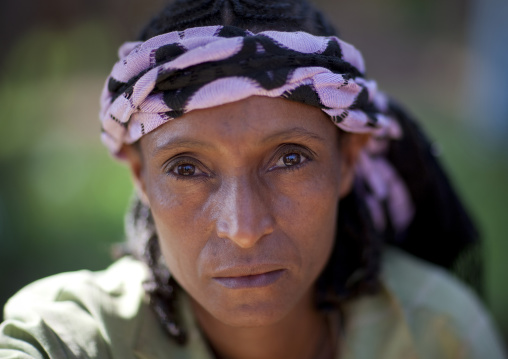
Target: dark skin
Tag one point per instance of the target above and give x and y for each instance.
(245, 198)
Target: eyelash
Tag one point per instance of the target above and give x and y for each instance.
(296, 149)
(171, 166)
(285, 149)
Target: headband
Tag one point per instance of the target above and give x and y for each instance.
(174, 73)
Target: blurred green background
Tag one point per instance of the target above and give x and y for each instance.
(62, 198)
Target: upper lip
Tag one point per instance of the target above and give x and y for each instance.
(246, 270)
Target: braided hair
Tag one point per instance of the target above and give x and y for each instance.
(441, 231)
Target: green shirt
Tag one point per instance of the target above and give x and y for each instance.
(421, 312)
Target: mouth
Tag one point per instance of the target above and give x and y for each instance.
(250, 281)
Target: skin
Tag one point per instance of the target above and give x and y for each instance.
(248, 188)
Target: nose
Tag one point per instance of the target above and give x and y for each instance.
(244, 212)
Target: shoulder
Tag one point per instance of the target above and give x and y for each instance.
(119, 284)
(436, 304)
(420, 284)
(77, 314)
(123, 276)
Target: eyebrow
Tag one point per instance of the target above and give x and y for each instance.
(173, 143)
(295, 133)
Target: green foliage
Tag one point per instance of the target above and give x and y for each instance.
(480, 173)
(62, 197)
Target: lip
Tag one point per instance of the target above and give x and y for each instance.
(250, 281)
(246, 268)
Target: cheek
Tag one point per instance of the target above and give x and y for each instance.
(181, 226)
(308, 215)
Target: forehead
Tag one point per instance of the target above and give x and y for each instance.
(253, 121)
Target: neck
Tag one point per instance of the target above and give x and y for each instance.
(302, 334)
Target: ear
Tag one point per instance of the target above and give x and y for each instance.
(350, 145)
(134, 159)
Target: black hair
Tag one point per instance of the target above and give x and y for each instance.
(440, 232)
(253, 15)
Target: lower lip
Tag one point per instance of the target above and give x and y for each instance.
(250, 281)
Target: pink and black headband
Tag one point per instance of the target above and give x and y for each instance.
(174, 73)
(171, 74)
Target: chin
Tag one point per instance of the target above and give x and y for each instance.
(255, 307)
(252, 307)
(250, 315)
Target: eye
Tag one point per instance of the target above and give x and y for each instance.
(291, 159)
(184, 167)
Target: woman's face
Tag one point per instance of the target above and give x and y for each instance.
(244, 198)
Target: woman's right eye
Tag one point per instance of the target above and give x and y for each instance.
(184, 168)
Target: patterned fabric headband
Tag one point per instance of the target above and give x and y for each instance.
(174, 73)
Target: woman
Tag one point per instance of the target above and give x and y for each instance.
(260, 228)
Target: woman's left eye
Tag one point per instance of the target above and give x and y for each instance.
(291, 159)
(185, 170)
